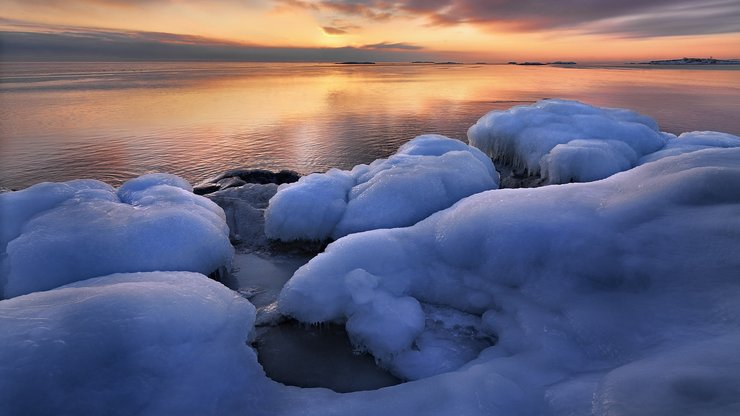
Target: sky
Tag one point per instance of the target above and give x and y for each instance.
(375, 30)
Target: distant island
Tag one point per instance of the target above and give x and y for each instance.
(694, 61)
(437, 63)
(355, 63)
(542, 63)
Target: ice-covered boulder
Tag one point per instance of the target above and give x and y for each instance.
(244, 207)
(58, 233)
(691, 142)
(615, 297)
(158, 343)
(566, 141)
(427, 174)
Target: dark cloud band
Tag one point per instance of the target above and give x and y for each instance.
(632, 18)
(64, 43)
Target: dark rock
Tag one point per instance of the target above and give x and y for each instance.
(513, 178)
(204, 189)
(238, 177)
(287, 176)
(244, 207)
(231, 182)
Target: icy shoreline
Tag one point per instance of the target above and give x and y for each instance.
(616, 295)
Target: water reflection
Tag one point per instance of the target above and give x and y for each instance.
(116, 120)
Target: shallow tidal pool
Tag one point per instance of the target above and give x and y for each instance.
(293, 353)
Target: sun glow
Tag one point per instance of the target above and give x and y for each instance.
(407, 34)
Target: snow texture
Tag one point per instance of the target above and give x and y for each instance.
(567, 141)
(614, 297)
(57, 233)
(617, 297)
(427, 174)
(157, 343)
(691, 142)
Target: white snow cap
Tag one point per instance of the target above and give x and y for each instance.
(597, 293)
(567, 141)
(58, 233)
(691, 142)
(157, 343)
(427, 174)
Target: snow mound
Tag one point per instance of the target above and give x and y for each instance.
(566, 141)
(427, 174)
(58, 233)
(691, 142)
(141, 343)
(597, 293)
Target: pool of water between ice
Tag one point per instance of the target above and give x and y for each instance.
(293, 353)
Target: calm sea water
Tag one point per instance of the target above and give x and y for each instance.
(114, 121)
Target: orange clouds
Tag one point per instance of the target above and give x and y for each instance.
(446, 29)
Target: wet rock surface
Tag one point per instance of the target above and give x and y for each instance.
(238, 177)
(244, 194)
(513, 178)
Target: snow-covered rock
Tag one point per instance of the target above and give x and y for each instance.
(244, 207)
(57, 233)
(427, 174)
(158, 343)
(615, 297)
(691, 142)
(566, 141)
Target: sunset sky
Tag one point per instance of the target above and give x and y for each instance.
(380, 30)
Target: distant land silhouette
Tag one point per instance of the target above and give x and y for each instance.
(694, 61)
(534, 63)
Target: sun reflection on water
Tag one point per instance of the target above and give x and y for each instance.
(113, 121)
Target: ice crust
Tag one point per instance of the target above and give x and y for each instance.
(427, 174)
(598, 293)
(157, 343)
(58, 233)
(691, 142)
(567, 141)
(613, 297)
(244, 207)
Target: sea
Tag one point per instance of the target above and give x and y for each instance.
(113, 121)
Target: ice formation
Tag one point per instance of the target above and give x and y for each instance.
(244, 207)
(427, 174)
(58, 233)
(567, 141)
(693, 141)
(152, 343)
(615, 297)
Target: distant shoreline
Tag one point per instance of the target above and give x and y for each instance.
(691, 61)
